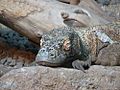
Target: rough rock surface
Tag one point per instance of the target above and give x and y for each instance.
(4, 69)
(45, 78)
(109, 55)
(112, 11)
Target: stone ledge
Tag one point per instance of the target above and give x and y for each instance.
(46, 78)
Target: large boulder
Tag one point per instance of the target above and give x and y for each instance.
(110, 55)
(46, 78)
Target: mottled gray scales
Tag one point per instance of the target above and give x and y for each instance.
(79, 46)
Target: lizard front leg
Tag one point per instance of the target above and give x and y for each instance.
(81, 64)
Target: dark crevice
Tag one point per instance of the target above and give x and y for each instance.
(14, 39)
(72, 2)
(63, 1)
(73, 23)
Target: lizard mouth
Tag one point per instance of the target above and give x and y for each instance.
(44, 63)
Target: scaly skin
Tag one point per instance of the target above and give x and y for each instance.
(78, 46)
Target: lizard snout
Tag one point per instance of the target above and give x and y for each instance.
(42, 55)
(46, 57)
(49, 57)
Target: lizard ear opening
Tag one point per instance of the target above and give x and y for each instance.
(66, 44)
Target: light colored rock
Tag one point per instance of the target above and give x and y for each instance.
(45, 78)
(4, 69)
(109, 55)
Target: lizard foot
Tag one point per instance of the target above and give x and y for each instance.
(77, 64)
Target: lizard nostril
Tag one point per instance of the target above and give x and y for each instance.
(42, 50)
(52, 54)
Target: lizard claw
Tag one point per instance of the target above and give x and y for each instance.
(77, 64)
(80, 65)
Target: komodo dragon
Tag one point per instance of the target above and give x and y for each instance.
(79, 46)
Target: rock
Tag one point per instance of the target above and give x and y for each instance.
(46, 78)
(110, 55)
(108, 2)
(103, 2)
(4, 69)
(112, 11)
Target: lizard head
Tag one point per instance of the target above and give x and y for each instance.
(58, 46)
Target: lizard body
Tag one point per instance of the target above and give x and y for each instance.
(80, 46)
